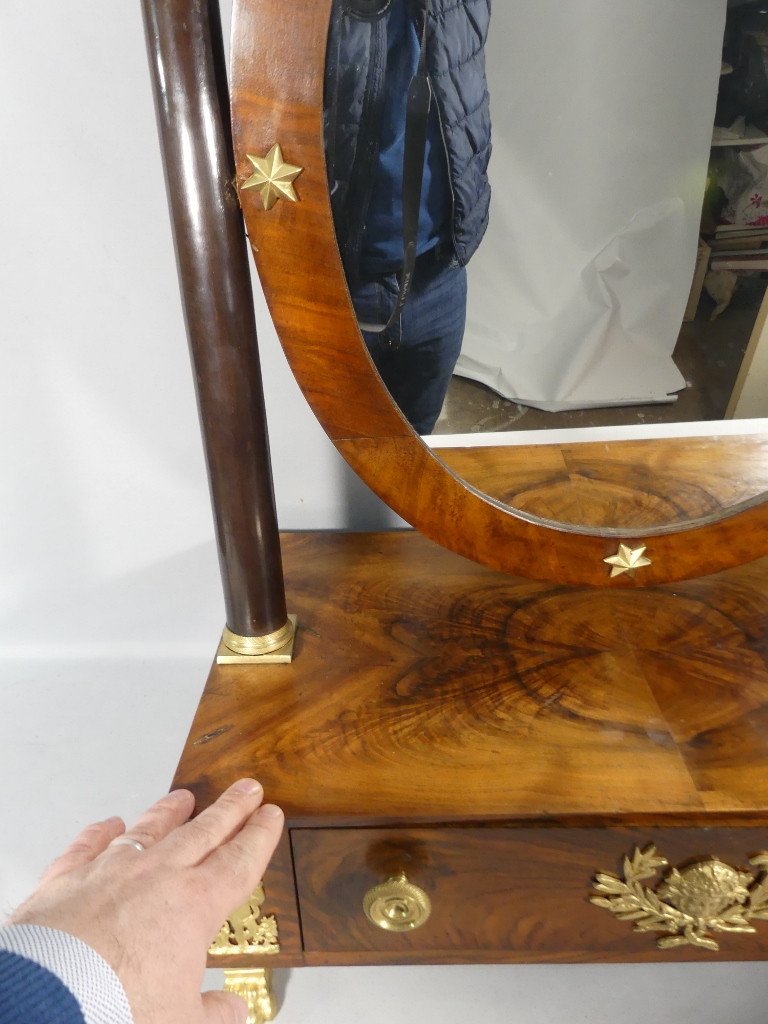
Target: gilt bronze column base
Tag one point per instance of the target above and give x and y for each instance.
(274, 649)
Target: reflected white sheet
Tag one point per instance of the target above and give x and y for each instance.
(602, 121)
(576, 435)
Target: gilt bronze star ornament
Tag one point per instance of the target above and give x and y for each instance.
(273, 177)
(627, 560)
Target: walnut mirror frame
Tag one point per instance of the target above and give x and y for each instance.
(277, 98)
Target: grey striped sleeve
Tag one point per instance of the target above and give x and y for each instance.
(87, 975)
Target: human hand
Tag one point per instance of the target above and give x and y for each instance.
(152, 915)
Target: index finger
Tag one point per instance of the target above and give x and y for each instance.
(221, 820)
(236, 868)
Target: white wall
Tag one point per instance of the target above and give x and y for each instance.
(109, 593)
(103, 485)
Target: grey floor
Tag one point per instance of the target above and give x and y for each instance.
(708, 354)
(83, 738)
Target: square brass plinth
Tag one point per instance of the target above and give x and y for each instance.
(283, 656)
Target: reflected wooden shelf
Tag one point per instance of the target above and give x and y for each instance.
(638, 485)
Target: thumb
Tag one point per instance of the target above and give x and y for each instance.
(225, 1008)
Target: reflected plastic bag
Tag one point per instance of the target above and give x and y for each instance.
(744, 179)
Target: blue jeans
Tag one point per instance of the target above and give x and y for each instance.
(416, 357)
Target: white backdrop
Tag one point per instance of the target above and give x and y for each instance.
(109, 593)
(103, 476)
(602, 123)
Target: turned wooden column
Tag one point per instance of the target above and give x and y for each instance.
(186, 57)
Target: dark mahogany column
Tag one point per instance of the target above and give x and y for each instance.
(192, 101)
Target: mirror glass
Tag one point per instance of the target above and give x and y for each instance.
(554, 197)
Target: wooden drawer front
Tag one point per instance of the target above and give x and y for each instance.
(502, 893)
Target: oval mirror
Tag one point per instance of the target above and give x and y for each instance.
(547, 510)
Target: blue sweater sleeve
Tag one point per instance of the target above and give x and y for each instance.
(50, 977)
(30, 994)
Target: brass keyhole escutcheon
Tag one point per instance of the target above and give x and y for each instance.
(397, 905)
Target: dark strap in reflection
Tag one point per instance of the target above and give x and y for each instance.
(416, 122)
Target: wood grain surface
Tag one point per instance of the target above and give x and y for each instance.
(499, 739)
(639, 485)
(427, 689)
(278, 60)
(515, 895)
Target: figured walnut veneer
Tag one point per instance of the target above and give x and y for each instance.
(431, 694)
(502, 894)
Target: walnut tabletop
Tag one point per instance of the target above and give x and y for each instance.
(498, 743)
(427, 689)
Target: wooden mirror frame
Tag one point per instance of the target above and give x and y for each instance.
(277, 79)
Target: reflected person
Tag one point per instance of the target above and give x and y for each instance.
(377, 49)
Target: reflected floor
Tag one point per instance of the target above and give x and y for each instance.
(708, 355)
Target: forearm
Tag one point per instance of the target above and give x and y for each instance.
(50, 977)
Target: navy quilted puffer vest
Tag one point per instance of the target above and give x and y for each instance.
(354, 92)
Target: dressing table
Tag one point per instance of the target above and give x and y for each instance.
(535, 729)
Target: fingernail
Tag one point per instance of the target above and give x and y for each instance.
(114, 820)
(180, 795)
(271, 811)
(249, 786)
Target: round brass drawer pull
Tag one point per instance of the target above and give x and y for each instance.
(397, 905)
